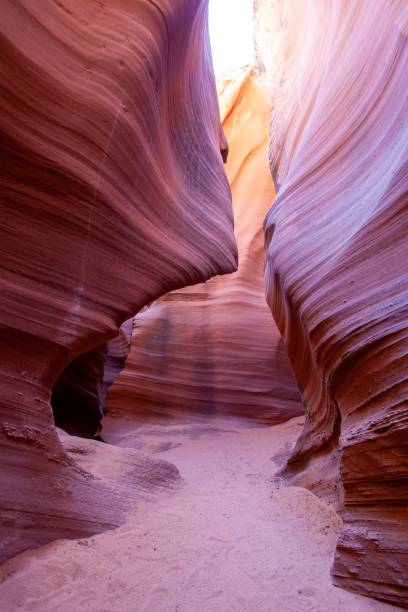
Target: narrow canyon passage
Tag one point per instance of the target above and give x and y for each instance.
(231, 536)
(204, 306)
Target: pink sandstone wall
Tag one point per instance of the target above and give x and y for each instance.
(214, 348)
(336, 273)
(113, 193)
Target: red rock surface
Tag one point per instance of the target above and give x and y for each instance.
(337, 262)
(113, 193)
(214, 348)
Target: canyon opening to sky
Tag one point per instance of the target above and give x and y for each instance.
(231, 34)
(203, 306)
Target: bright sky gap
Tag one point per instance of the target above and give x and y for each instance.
(231, 33)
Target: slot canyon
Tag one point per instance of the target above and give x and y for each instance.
(204, 306)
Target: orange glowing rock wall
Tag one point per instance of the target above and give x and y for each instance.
(337, 260)
(214, 348)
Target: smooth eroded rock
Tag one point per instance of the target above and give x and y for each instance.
(214, 348)
(337, 257)
(113, 193)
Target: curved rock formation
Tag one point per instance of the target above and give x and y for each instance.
(113, 194)
(337, 262)
(214, 348)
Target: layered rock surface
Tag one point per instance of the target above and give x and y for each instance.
(113, 193)
(214, 348)
(337, 257)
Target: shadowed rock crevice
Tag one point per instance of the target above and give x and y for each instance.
(79, 395)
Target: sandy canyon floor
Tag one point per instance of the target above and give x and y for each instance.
(231, 537)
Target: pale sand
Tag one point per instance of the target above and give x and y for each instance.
(230, 539)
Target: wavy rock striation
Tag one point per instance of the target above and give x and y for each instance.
(213, 348)
(337, 257)
(113, 194)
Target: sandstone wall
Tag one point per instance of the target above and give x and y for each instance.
(336, 273)
(214, 348)
(113, 193)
